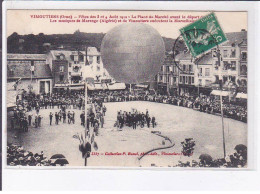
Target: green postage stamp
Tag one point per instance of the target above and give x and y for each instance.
(203, 35)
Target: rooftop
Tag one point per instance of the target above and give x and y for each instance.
(16, 56)
(236, 38)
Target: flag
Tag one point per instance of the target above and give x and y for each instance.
(86, 63)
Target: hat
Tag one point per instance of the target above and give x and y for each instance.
(12, 164)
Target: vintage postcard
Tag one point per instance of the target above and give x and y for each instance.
(110, 88)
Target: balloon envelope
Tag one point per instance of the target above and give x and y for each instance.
(133, 53)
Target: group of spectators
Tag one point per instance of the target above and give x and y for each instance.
(19, 120)
(30, 101)
(17, 156)
(203, 103)
(64, 100)
(236, 160)
(134, 118)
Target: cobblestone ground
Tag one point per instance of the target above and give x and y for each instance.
(175, 122)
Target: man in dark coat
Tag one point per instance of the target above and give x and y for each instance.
(69, 117)
(73, 117)
(25, 125)
(64, 117)
(29, 119)
(134, 120)
(82, 118)
(56, 118)
(39, 120)
(50, 116)
(148, 121)
(153, 121)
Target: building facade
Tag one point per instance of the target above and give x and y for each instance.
(203, 75)
(32, 71)
(71, 68)
(232, 68)
(167, 78)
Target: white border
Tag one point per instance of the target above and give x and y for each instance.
(144, 179)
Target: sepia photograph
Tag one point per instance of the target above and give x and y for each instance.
(110, 88)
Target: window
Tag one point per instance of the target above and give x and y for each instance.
(244, 55)
(98, 68)
(186, 80)
(180, 79)
(232, 78)
(233, 53)
(225, 53)
(11, 72)
(243, 70)
(168, 79)
(174, 69)
(69, 73)
(161, 78)
(189, 80)
(61, 78)
(207, 72)
(233, 65)
(76, 58)
(184, 67)
(226, 65)
(98, 59)
(190, 68)
(216, 64)
(167, 69)
(161, 68)
(225, 79)
(90, 59)
(81, 58)
(200, 71)
(192, 80)
(69, 64)
(61, 68)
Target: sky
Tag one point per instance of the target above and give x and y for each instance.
(22, 22)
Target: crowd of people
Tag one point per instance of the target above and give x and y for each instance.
(75, 100)
(17, 156)
(66, 102)
(30, 101)
(203, 103)
(23, 118)
(236, 160)
(134, 119)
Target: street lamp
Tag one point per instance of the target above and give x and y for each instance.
(221, 104)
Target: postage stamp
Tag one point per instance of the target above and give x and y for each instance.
(203, 35)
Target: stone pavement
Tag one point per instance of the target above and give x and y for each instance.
(177, 123)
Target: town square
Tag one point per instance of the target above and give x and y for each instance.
(129, 97)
